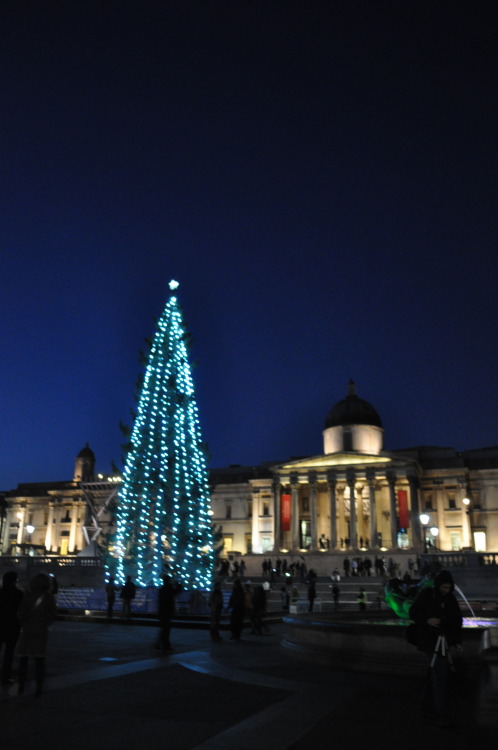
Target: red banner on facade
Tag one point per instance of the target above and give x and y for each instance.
(285, 512)
(404, 515)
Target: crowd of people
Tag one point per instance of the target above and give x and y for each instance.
(270, 569)
(273, 569)
(25, 617)
(362, 566)
(246, 602)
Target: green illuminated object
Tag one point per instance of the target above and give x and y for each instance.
(400, 598)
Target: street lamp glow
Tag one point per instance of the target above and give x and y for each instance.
(466, 501)
(424, 519)
(434, 531)
(30, 528)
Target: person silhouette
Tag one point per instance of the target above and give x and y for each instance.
(36, 612)
(10, 599)
(166, 610)
(237, 605)
(127, 595)
(110, 592)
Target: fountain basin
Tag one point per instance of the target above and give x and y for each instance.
(371, 643)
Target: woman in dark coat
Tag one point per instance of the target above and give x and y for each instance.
(36, 613)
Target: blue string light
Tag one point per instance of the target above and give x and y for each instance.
(162, 522)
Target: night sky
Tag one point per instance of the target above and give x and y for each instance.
(320, 177)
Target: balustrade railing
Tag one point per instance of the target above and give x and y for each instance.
(68, 570)
(461, 559)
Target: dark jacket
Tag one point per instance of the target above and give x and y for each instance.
(237, 599)
(430, 603)
(129, 590)
(166, 600)
(10, 599)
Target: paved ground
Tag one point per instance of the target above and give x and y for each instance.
(107, 687)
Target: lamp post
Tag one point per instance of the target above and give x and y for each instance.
(29, 528)
(434, 532)
(466, 522)
(424, 520)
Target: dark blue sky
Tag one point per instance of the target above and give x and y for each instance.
(321, 177)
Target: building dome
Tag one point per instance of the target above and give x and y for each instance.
(353, 424)
(352, 410)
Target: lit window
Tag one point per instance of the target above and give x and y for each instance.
(456, 543)
(480, 541)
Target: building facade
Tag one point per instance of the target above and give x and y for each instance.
(355, 495)
(60, 518)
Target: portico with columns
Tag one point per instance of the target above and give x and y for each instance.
(346, 501)
(353, 496)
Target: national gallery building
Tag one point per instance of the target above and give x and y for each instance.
(354, 496)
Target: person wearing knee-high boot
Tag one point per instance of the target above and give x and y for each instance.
(36, 612)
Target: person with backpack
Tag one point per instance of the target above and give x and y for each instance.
(438, 620)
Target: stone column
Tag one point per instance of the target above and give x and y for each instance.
(57, 530)
(417, 542)
(466, 529)
(391, 479)
(360, 515)
(4, 538)
(342, 510)
(373, 509)
(50, 524)
(80, 540)
(294, 512)
(351, 478)
(332, 483)
(277, 541)
(255, 541)
(314, 518)
(72, 530)
(440, 541)
(22, 521)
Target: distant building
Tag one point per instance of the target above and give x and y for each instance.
(354, 495)
(59, 518)
(305, 503)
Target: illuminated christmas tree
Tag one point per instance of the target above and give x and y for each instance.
(162, 522)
